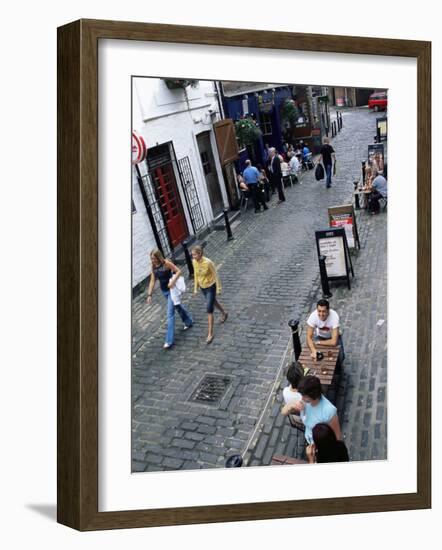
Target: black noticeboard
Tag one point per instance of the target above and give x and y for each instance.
(332, 243)
(381, 128)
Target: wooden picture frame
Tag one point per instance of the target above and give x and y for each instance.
(77, 225)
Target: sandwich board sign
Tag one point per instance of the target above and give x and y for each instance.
(344, 216)
(332, 243)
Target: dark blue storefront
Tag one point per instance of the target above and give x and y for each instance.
(264, 106)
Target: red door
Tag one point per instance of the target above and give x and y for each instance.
(170, 202)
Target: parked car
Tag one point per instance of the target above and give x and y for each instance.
(378, 101)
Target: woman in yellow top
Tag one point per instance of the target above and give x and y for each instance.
(206, 278)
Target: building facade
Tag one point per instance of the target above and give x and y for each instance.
(267, 105)
(179, 189)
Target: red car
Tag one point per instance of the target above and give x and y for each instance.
(378, 101)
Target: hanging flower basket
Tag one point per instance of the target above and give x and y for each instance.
(289, 112)
(175, 84)
(247, 130)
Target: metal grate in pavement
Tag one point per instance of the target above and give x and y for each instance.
(211, 389)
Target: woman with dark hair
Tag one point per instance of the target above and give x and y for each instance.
(316, 408)
(325, 446)
(167, 274)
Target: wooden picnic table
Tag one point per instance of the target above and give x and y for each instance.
(323, 369)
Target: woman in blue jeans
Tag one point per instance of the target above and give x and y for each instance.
(167, 274)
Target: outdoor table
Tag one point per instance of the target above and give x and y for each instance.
(364, 193)
(323, 369)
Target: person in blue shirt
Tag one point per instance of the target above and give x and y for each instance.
(379, 191)
(251, 177)
(306, 157)
(315, 408)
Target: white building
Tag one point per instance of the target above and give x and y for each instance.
(180, 188)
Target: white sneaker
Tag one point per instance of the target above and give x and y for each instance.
(167, 346)
(185, 327)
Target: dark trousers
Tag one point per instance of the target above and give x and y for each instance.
(373, 202)
(257, 196)
(328, 174)
(277, 183)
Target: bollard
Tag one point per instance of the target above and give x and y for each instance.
(324, 279)
(355, 185)
(185, 245)
(334, 126)
(332, 130)
(297, 348)
(327, 129)
(340, 119)
(363, 162)
(234, 461)
(338, 123)
(228, 229)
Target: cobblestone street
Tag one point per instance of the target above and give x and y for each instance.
(269, 274)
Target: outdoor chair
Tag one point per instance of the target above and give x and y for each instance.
(296, 422)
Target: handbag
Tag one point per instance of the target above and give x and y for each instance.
(177, 290)
(319, 172)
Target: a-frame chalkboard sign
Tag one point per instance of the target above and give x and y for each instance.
(332, 243)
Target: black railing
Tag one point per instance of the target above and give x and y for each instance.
(190, 194)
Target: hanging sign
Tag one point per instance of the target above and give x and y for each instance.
(344, 216)
(332, 243)
(139, 149)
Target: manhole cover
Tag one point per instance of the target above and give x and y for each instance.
(211, 389)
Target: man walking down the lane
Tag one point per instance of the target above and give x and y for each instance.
(276, 174)
(251, 177)
(327, 158)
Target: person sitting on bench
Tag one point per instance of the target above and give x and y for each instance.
(323, 329)
(290, 393)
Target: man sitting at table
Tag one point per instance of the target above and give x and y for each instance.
(379, 191)
(323, 330)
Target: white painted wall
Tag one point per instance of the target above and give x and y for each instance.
(161, 115)
(143, 240)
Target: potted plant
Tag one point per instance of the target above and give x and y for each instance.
(289, 112)
(177, 84)
(247, 130)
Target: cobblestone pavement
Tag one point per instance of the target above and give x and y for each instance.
(269, 274)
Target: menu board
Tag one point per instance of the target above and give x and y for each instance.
(333, 250)
(344, 216)
(332, 243)
(381, 126)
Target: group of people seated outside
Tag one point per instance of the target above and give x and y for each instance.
(260, 182)
(303, 398)
(376, 183)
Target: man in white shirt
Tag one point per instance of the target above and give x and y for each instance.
(323, 329)
(295, 166)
